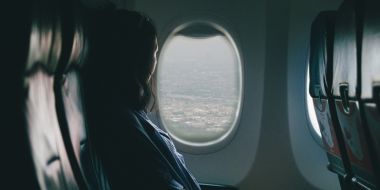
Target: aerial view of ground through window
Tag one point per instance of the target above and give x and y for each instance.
(198, 87)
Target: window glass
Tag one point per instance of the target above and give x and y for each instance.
(199, 87)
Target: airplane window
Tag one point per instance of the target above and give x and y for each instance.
(199, 87)
(310, 107)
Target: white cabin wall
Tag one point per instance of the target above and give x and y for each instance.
(309, 156)
(275, 167)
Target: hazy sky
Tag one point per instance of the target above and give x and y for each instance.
(199, 64)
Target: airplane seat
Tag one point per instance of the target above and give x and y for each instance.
(51, 162)
(346, 89)
(55, 116)
(320, 65)
(370, 80)
(70, 94)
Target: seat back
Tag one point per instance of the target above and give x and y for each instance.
(51, 161)
(370, 80)
(320, 65)
(345, 89)
(71, 101)
(55, 118)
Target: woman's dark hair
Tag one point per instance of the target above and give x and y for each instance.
(125, 46)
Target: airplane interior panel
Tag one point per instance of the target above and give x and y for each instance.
(190, 95)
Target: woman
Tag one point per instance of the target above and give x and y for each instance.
(134, 152)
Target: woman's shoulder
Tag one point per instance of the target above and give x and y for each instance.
(148, 120)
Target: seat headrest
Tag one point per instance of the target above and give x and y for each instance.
(79, 48)
(371, 47)
(320, 59)
(45, 43)
(345, 52)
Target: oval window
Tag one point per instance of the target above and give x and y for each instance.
(199, 85)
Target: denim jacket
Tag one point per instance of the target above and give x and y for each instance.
(178, 176)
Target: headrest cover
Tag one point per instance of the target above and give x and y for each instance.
(79, 48)
(320, 62)
(371, 49)
(45, 42)
(345, 53)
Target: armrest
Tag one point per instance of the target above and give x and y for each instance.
(205, 186)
